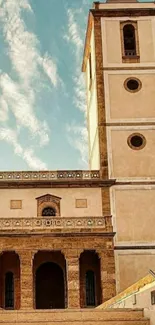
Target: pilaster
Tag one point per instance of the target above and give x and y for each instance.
(72, 267)
(26, 266)
(107, 265)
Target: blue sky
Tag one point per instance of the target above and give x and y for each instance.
(42, 89)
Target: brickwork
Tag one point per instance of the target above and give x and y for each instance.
(64, 251)
(100, 98)
(26, 279)
(106, 209)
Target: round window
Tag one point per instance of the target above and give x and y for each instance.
(132, 84)
(136, 141)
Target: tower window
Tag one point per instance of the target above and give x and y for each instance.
(132, 84)
(48, 212)
(129, 40)
(90, 288)
(136, 141)
(9, 290)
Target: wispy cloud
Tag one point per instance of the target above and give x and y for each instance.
(77, 137)
(19, 95)
(77, 134)
(73, 34)
(10, 136)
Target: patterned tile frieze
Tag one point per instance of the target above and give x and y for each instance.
(52, 223)
(49, 175)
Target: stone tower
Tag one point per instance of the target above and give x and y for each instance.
(119, 64)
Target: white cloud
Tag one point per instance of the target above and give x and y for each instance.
(78, 137)
(33, 161)
(74, 37)
(80, 93)
(73, 34)
(23, 50)
(21, 106)
(50, 69)
(10, 136)
(3, 110)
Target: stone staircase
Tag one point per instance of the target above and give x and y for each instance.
(71, 316)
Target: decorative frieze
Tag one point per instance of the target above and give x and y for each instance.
(49, 175)
(52, 223)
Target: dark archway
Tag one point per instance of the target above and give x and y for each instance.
(129, 40)
(48, 212)
(9, 280)
(90, 288)
(90, 279)
(50, 291)
(9, 290)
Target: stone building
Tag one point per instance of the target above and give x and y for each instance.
(72, 239)
(119, 63)
(56, 241)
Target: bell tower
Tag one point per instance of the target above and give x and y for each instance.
(119, 64)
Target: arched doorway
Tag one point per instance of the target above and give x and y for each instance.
(90, 279)
(9, 280)
(49, 286)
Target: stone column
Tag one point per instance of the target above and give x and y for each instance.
(26, 276)
(73, 281)
(107, 265)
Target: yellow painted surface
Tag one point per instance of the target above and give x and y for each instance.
(95, 157)
(148, 279)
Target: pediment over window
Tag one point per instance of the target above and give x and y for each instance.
(48, 201)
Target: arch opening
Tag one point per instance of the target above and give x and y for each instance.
(9, 280)
(90, 288)
(90, 280)
(9, 290)
(129, 40)
(50, 287)
(48, 212)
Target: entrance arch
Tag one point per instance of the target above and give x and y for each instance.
(9, 280)
(49, 286)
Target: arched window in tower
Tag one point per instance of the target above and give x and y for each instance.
(9, 290)
(129, 40)
(90, 288)
(48, 212)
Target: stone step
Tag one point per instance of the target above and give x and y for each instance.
(70, 316)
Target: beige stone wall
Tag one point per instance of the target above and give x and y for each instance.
(125, 162)
(111, 45)
(130, 266)
(133, 214)
(133, 107)
(67, 202)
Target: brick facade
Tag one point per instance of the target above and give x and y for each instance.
(29, 252)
